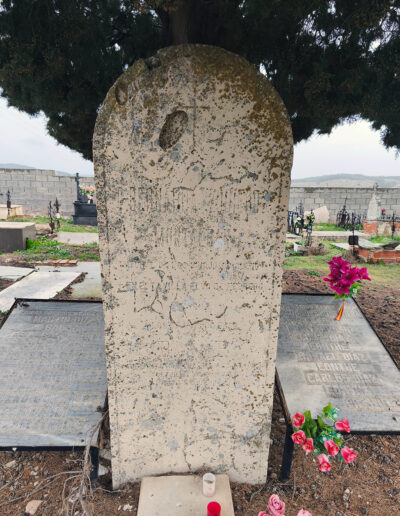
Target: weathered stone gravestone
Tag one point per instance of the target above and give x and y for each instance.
(374, 206)
(321, 214)
(192, 151)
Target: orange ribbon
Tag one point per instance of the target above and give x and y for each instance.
(340, 312)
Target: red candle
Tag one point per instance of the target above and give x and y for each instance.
(213, 509)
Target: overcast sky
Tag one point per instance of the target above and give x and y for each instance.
(351, 148)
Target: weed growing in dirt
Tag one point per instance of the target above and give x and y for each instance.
(384, 239)
(327, 226)
(44, 248)
(89, 257)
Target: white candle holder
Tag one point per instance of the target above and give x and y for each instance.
(209, 481)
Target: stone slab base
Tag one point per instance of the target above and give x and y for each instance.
(13, 235)
(85, 221)
(180, 495)
(15, 211)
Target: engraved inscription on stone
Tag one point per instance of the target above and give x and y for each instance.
(192, 171)
(52, 375)
(320, 360)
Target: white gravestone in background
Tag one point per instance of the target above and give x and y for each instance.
(192, 151)
(374, 206)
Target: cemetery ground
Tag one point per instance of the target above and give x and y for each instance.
(46, 248)
(370, 485)
(66, 224)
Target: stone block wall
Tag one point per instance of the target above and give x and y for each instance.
(379, 228)
(356, 199)
(33, 189)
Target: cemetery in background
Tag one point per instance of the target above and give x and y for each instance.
(33, 189)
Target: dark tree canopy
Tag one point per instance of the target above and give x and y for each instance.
(329, 59)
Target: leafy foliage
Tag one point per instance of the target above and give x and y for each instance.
(45, 249)
(330, 60)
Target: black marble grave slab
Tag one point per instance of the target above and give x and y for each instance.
(321, 360)
(85, 214)
(52, 374)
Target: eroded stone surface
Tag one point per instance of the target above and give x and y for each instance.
(191, 236)
(321, 214)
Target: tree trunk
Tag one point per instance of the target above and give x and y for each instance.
(200, 21)
(179, 23)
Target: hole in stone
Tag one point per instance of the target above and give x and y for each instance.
(152, 62)
(121, 93)
(175, 125)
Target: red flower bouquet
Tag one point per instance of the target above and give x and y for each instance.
(345, 280)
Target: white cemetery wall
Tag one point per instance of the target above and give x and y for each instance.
(33, 189)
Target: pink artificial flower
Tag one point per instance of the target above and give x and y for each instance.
(348, 454)
(263, 513)
(342, 426)
(298, 420)
(331, 447)
(301, 513)
(323, 463)
(308, 445)
(299, 437)
(275, 506)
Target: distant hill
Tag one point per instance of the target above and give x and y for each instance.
(349, 180)
(15, 166)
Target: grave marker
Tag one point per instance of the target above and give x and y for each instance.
(192, 152)
(321, 360)
(52, 375)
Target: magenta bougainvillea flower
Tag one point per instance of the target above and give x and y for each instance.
(343, 276)
(345, 280)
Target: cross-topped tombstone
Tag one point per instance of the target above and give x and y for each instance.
(78, 188)
(192, 152)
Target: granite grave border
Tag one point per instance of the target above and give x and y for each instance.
(287, 455)
(94, 449)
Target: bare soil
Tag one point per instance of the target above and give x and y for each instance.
(370, 485)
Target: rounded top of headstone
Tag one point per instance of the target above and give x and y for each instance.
(189, 99)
